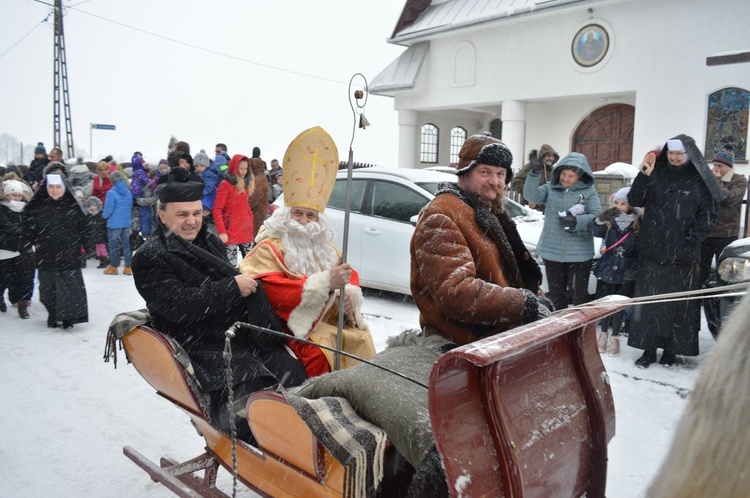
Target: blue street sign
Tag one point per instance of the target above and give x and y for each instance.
(102, 126)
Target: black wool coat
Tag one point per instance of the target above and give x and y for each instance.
(192, 296)
(58, 230)
(12, 236)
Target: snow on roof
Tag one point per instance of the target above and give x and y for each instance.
(452, 14)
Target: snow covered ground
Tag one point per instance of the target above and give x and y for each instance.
(65, 414)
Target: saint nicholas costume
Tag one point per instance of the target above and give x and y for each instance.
(305, 303)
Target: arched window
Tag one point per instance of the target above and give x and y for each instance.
(496, 128)
(430, 141)
(458, 137)
(727, 122)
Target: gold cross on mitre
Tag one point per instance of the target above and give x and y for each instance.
(310, 165)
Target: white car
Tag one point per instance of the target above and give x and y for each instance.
(384, 205)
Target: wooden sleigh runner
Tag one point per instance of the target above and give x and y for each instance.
(527, 413)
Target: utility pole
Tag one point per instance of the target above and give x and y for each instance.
(61, 78)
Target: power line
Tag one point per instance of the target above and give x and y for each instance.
(210, 51)
(24, 36)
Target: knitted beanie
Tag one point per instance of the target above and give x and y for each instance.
(725, 156)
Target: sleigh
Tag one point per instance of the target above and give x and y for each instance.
(526, 413)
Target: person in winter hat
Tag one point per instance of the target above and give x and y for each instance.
(471, 275)
(193, 295)
(58, 228)
(616, 269)
(140, 187)
(82, 178)
(680, 196)
(212, 176)
(16, 252)
(118, 211)
(727, 227)
(98, 226)
(35, 172)
(566, 245)
(548, 157)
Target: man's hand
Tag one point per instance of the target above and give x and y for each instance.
(224, 237)
(536, 162)
(340, 275)
(246, 285)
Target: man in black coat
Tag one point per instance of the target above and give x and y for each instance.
(194, 295)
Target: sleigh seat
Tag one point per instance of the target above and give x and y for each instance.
(287, 461)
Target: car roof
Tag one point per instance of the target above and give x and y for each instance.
(414, 175)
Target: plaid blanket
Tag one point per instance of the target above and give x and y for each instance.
(121, 324)
(356, 443)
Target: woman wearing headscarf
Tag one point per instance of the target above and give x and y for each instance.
(58, 227)
(680, 198)
(566, 245)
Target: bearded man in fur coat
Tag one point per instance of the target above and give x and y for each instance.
(300, 268)
(471, 275)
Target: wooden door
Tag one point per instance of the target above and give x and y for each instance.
(606, 136)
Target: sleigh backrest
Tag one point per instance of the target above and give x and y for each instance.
(157, 359)
(526, 413)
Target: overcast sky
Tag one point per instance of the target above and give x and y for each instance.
(246, 85)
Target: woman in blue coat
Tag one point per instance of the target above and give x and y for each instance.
(566, 244)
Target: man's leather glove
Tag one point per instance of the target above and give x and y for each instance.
(536, 163)
(609, 215)
(568, 222)
(535, 308)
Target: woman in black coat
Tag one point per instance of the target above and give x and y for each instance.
(680, 197)
(59, 229)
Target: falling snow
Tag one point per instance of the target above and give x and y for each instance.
(66, 414)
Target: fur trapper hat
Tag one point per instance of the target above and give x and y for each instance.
(484, 149)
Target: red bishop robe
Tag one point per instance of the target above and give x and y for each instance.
(308, 308)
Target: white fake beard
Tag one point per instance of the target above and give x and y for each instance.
(308, 248)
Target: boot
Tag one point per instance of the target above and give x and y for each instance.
(649, 357)
(668, 359)
(67, 325)
(111, 270)
(601, 342)
(23, 309)
(127, 271)
(103, 263)
(51, 323)
(613, 346)
(3, 306)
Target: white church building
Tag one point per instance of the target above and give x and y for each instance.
(610, 78)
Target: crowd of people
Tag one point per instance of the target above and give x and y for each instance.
(55, 215)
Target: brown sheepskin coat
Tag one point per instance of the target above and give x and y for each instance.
(457, 277)
(259, 197)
